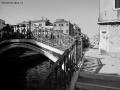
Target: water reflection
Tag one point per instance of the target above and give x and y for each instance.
(33, 79)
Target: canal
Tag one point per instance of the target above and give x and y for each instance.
(23, 71)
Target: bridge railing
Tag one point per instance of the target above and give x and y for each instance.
(54, 38)
(50, 37)
(60, 74)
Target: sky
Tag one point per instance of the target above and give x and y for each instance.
(84, 13)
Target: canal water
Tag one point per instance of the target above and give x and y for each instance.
(24, 73)
(34, 75)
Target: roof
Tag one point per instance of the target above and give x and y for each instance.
(2, 20)
(33, 21)
(61, 20)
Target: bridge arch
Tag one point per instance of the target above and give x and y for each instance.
(11, 70)
(32, 47)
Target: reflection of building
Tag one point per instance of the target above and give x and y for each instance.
(63, 26)
(109, 26)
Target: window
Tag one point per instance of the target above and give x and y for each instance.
(40, 24)
(61, 24)
(117, 4)
(61, 31)
(54, 24)
(66, 31)
(66, 24)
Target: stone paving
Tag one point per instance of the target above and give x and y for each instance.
(101, 64)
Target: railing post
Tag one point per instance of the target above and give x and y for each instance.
(81, 47)
(29, 31)
(64, 74)
(76, 53)
(56, 78)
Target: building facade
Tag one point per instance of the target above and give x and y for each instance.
(63, 26)
(109, 26)
(77, 30)
(2, 23)
(41, 24)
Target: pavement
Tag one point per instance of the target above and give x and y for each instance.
(109, 65)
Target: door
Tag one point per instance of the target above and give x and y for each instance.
(103, 41)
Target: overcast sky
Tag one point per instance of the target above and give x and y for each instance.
(84, 13)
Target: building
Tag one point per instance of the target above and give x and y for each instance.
(109, 26)
(77, 30)
(63, 26)
(41, 24)
(2, 23)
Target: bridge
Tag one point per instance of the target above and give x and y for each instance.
(63, 50)
(43, 59)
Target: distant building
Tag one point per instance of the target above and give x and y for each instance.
(109, 26)
(44, 23)
(63, 26)
(2, 23)
(77, 30)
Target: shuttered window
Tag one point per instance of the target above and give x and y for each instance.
(117, 4)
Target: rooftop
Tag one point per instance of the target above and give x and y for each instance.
(33, 21)
(2, 20)
(61, 20)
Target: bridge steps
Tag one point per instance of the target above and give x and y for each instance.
(90, 80)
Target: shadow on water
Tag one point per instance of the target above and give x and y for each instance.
(24, 73)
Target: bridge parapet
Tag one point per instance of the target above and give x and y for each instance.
(53, 38)
(50, 37)
(60, 74)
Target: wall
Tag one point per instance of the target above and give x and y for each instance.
(64, 27)
(113, 37)
(107, 11)
(71, 29)
(109, 21)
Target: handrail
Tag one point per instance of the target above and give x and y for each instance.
(50, 37)
(59, 75)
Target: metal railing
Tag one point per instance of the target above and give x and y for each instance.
(60, 74)
(50, 37)
(53, 38)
